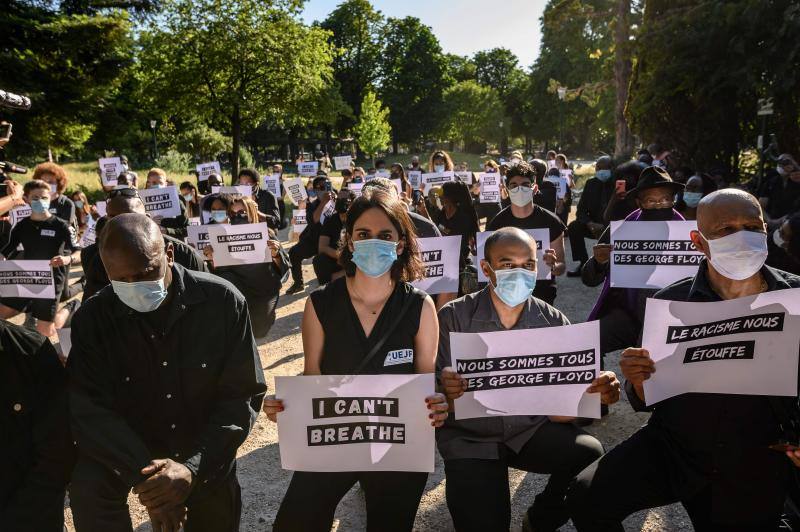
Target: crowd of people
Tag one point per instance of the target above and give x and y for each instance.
(163, 380)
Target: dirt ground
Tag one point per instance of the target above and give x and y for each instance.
(264, 482)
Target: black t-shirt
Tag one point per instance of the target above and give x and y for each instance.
(539, 219)
(64, 208)
(332, 228)
(41, 240)
(459, 224)
(346, 345)
(425, 228)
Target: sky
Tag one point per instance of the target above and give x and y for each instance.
(463, 27)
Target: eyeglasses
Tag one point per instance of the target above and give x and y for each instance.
(515, 187)
(124, 192)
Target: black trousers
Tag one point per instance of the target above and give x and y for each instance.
(98, 499)
(304, 249)
(325, 267)
(477, 490)
(578, 231)
(638, 474)
(262, 313)
(311, 500)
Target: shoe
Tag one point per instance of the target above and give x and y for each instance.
(576, 272)
(72, 307)
(295, 288)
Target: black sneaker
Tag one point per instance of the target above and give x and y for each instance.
(576, 272)
(295, 288)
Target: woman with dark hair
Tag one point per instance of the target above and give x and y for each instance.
(458, 216)
(83, 210)
(342, 322)
(439, 162)
(398, 172)
(192, 198)
(784, 246)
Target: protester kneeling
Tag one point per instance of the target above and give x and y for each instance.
(343, 322)
(478, 452)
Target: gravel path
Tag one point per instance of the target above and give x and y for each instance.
(264, 482)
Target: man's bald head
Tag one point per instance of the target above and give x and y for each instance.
(507, 237)
(728, 206)
(132, 248)
(124, 205)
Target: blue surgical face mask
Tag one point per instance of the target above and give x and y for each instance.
(188, 197)
(219, 216)
(78, 204)
(514, 286)
(439, 168)
(156, 185)
(374, 257)
(603, 175)
(141, 296)
(40, 206)
(692, 199)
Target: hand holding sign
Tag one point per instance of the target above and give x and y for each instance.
(602, 253)
(637, 366)
(454, 385)
(437, 404)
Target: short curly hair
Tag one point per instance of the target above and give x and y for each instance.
(53, 169)
(521, 169)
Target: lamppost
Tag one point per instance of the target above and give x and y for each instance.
(155, 144)
(562, 93)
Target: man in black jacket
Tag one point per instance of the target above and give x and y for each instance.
(160, 401)
(708, 451)
(589, 222)
(36, 451)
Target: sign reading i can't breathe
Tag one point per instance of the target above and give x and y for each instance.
(197, 236)
(544, 371)
(440, 256)
(161, 202)
(235, 245)
(32, 279)
(355, 423)
(652, 254)
(750, 346)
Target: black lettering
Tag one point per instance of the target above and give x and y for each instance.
(744, 350)
(756, 323)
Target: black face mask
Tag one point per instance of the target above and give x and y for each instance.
(657, 215)
(342, 205)
(239, 219)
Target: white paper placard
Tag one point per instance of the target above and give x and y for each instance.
(355, 188)
(745, 346)
(652, 254)
(542, 238)
(440, 256)
(17, 214)
(436, 179)
(195, 221)
(560, 184)
(234, 245)
(101, 207)
(383, 173)
(490, 187)
(342, 162)
(464, 177)
(89, 235)
(65, 340)
(544, 371)
(206, 169)
(415, 178)
(272, 183)
(242, 190)
(161, 202)
(296, 190)
(308, 168)
(299, 222)
(110, 168)
(197, 236)
(355, 423)
(398, 184)
(32, 279)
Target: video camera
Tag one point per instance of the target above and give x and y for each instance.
(11, 101)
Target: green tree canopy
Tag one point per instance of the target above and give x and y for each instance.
(474, 113)
(372, 130)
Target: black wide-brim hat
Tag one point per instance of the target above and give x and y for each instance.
(655, 177)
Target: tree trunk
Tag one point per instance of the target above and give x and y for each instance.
(394, 143)
(623, 147)
(236, 133)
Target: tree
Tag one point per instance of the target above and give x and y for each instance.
(355, 31)
(497, 68)
(623, 145)
(372, 130)
(414, 80)
(234, 64)
(460, 67)
(473, 114)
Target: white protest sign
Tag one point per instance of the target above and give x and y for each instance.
(652, 254)
(355, 423)
(436, 179)
(544, 371)
(560, 183)
(65, 340)
(110, 168)
(542, 238)
(296, 190)
(206, 169)
(415, 178)
(440, 256)
(161, 202)
(490, 187)
(89, 236)
(355, 188)
(101, 207)
(308, 168)
(299, 221)
(17, 214)
(342, 162)
(197, 236)
(234, 245)
(745, 346)
(327, 211)
(195, 221)
(398, 184)
(242, 190)
(272, 183)
(32, 279)
(464, 177)
(383, 173)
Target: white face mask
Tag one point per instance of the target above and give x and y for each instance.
(439, 168)
(738, 256)
(521, 196)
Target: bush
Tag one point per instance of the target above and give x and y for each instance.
(175, 161)
(246, 159)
